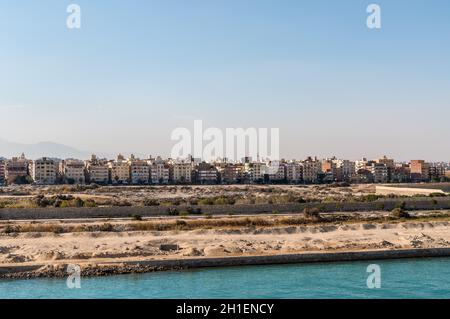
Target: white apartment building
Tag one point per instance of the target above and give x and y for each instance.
(44, 171)
(97, 170)
(294, 172)
(120, 170)
(181, 172)
(72, 171)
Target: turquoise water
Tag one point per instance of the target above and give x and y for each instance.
(413, 278)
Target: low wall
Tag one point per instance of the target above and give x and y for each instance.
(203, 262)
(426, 203)
(299, 258)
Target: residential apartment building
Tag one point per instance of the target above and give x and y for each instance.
(437, 172)
(380, 173)
(44, 171)
(294, 172)
(362, 164)
(401, 173)
(72, 171)
(139, 171)
(97, 170)
(159, 171)
(389, 163)
(277, 172)
(232, 173)
(17, 170)
(119, 170)
(329, 167)
(420, 170)
(256, 171)
(206, 174)
(2, 169)
(181, 172)
(311, 170)
(345, 170)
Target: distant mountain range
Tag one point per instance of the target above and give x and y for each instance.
(47, 149)
(50, 149)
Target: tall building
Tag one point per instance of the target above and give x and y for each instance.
(72, 171)
(437, 172)
(420, 170)
(233, 173)
(97, 170)
(311, 170)
(380, 173)
(139, 171)
(44, 171)
(294, 172)
(159, 171)
(279, 174)
(256, 171)
(206, 174)
(2, 169)
(120, 170)
(17, 170)
(181, 172)
(345, 170)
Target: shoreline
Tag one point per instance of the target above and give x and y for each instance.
(147, 266)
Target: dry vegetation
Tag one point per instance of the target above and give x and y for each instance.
(94, 195)
(309, 217)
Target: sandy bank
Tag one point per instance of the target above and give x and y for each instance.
(142, 251)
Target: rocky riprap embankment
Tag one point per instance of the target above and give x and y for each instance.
(60, 271)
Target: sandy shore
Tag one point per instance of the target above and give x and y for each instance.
(47, 253)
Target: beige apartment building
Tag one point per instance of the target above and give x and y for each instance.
(159, 171)
(380, 173)
(72, 171)
(2, 169)
(294, 172)
(256, 170)
(345, 170)
(17, 168)
(139, 171)
(420, 170)
(44, 171)
(207, 174)
(181, 172)
(311, 170)
(232, 173)
(120, 170)
(97, 170)
(277, 172)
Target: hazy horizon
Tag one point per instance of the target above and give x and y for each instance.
(136, 70)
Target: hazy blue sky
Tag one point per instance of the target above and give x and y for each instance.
(138, 69)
